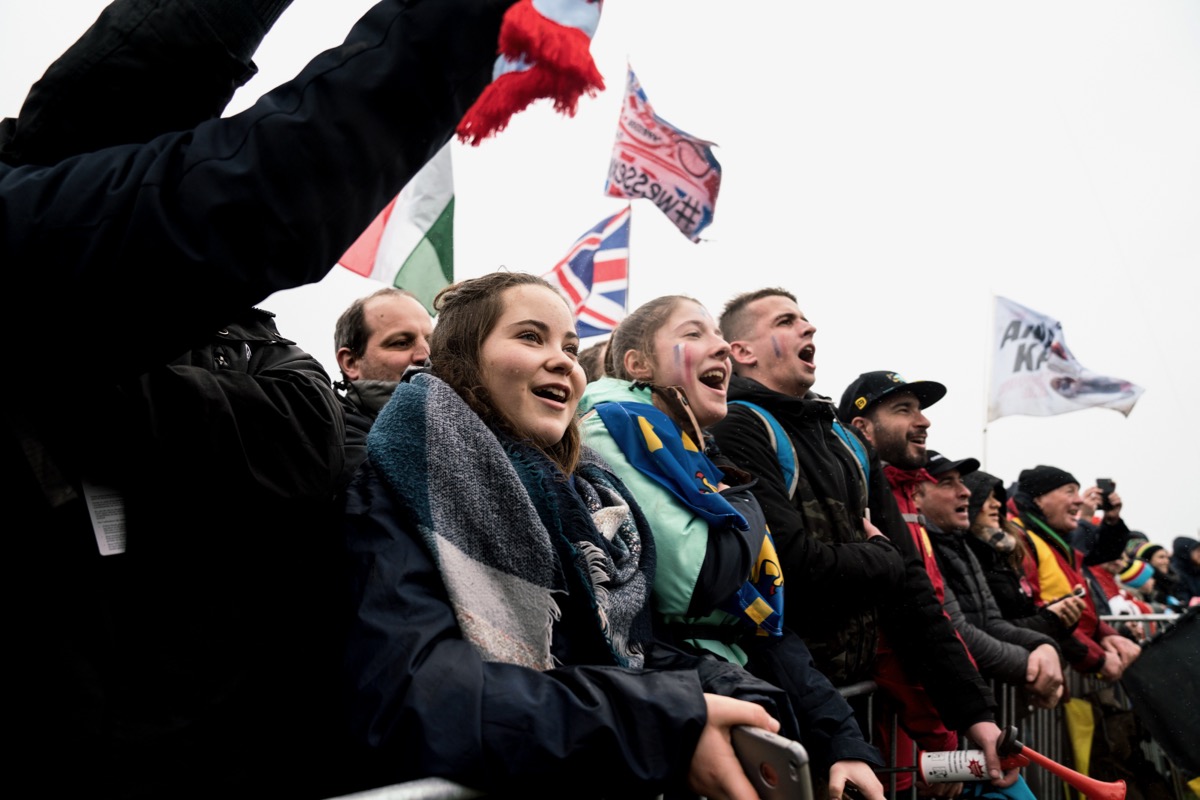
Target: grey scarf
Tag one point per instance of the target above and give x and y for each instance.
(512, 536)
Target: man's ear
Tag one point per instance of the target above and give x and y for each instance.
(348, 364)
(638, 365)
(864, 425)
(742, 354)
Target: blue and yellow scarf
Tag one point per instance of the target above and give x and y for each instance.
(659, 449)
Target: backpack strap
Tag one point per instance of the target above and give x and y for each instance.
(855, 445)
(785, 451)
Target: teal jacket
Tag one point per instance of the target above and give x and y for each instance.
(682, 538)
(700, 565)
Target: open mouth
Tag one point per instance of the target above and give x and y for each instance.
(713, 378)
(556, 393)
(807, 353)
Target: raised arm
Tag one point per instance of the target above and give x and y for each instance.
(219, 217)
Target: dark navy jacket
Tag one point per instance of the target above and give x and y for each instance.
(424, 703)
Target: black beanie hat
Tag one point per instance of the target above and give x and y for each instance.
(981, 485)
(1041, 479)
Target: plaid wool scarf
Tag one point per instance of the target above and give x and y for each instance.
(514, 539)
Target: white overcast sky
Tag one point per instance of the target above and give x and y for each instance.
(894, 165)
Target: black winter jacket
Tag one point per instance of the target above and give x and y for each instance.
(361, 403)
(1000, 648)
(827, 726)
(1188, 585)
(212, 632)
(851, 583)
(193, 663)
(835, 577)
(1018, 607)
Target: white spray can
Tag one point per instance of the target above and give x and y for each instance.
(952, 766)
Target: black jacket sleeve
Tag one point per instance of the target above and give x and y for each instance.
(423, 703)
(218, 217)
(143, 68)
(994, 657)
(1000, 649)
(828, 729)
(1105, 542)
(853, 575)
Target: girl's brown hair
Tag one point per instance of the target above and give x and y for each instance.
(467, 313)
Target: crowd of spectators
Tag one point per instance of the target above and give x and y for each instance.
(484, 554)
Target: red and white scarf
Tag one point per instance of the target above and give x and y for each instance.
(544, 53)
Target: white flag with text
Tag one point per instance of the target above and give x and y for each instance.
(1034, 373)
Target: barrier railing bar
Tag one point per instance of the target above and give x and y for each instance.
(1043, 728)
(423, 789)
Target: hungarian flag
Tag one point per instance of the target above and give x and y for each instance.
(655, 160)
(1034, 373)
(594, 276)
(410, 245)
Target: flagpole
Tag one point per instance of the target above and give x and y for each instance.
(628, 260)
(987, 378)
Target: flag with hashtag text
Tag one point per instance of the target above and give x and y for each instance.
(653, 159)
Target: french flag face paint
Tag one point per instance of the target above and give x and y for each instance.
(694, 356)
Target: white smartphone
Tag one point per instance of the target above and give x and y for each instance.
(776, 766)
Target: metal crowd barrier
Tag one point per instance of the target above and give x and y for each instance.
(424, 789)
(1044, 730)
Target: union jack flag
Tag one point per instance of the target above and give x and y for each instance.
(594, 276)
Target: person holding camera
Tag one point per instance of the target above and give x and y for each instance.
(1049, 505)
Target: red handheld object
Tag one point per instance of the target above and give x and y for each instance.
(1009, 746)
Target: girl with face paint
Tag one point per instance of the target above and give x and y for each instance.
(718, 588)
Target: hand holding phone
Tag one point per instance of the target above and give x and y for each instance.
(1078, 591)
(1106, 486)
(776, 766)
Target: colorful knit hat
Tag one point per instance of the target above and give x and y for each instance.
(1136, 574)
(1147, 550)
(1136, 540)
